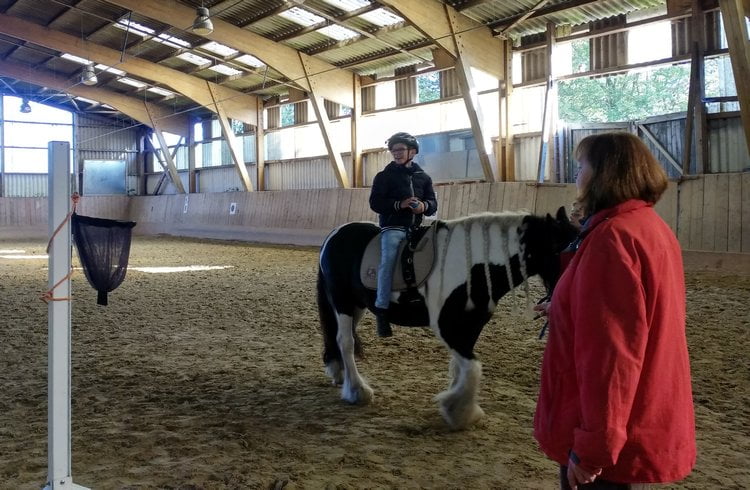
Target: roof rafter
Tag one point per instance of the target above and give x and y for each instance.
(338, 19)
(354, 40)
(361, 32)
(334, 84)
(550, 9)
(134, 108)
(237, 104)
(436, 20)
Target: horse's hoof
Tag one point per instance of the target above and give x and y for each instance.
(362, 395)
(334, 371)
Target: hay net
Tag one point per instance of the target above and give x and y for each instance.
(104, 248)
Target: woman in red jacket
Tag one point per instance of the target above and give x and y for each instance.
(615, 405)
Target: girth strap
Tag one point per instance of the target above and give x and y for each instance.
(413, 235)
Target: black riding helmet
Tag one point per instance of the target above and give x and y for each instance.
(405, 138)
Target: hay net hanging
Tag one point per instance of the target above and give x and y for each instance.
(103, 247)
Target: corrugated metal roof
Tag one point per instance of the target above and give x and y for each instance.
(374, 50)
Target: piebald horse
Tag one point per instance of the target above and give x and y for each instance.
(478, 259)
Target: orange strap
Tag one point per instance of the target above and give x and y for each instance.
(48, 296)
(75, 198)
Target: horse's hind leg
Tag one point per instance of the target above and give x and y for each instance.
(458, 404)
(354, 388)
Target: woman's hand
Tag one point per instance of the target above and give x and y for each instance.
(579, 476)
(542, 309)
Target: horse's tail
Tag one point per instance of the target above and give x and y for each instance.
(328, 325)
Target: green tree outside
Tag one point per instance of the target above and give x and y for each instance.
(623, 97)
(428, 87)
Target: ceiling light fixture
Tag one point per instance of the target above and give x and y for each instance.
(202, 24)
(25, 107)
(88, 75)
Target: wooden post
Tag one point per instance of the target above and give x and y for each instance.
(692, 95)
(701, 135)
(357, 171)
(171, 168)
(734, 13)
(508, 151)
(191, 146)
(260, 151)
(234, 149)
(549, 101)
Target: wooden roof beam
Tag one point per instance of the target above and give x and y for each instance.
(134, 108)
(234, 147)
(237, 104)
(338, 19)
(324, 123)
(524, 16)
(361, 32)
(734, 13)
(454, 32)
(333, 83)
(502, 24)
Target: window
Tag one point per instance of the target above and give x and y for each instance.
(428, 87)
(287, 115)
(27, 134)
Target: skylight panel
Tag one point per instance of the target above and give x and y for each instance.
(110, 69)
(134, 28)
(301, 16)
(249, 60)
(337, 32)
(194, 58)
(75, 58)
(348, 5)
(226, 70)
(382, 17)
(143, 31)
(131, 82)
(160, 91)
(175, 42)
(219, 49)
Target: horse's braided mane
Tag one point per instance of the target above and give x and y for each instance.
(508, 222)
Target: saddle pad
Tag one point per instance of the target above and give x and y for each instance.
(424, 258)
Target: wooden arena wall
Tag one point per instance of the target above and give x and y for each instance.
(710, 213)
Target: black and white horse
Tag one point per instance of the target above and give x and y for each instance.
(478, 260)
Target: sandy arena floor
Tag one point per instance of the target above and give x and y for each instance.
(213, 379)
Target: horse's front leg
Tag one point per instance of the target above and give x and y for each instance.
(458, 404)
(354, 388)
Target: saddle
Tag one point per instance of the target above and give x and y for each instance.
(417, 254)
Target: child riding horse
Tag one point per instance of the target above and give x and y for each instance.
(478, 260)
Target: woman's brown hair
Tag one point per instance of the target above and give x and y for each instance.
(623, 168)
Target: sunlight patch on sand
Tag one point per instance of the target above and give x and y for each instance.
(13, 256)
(187, 268)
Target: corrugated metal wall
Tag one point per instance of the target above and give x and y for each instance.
(304, 173)
(526, 155)
(727, 145)
(97, 140)
(25, 185)
(223, 179)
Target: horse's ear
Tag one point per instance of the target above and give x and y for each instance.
(562, 216)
